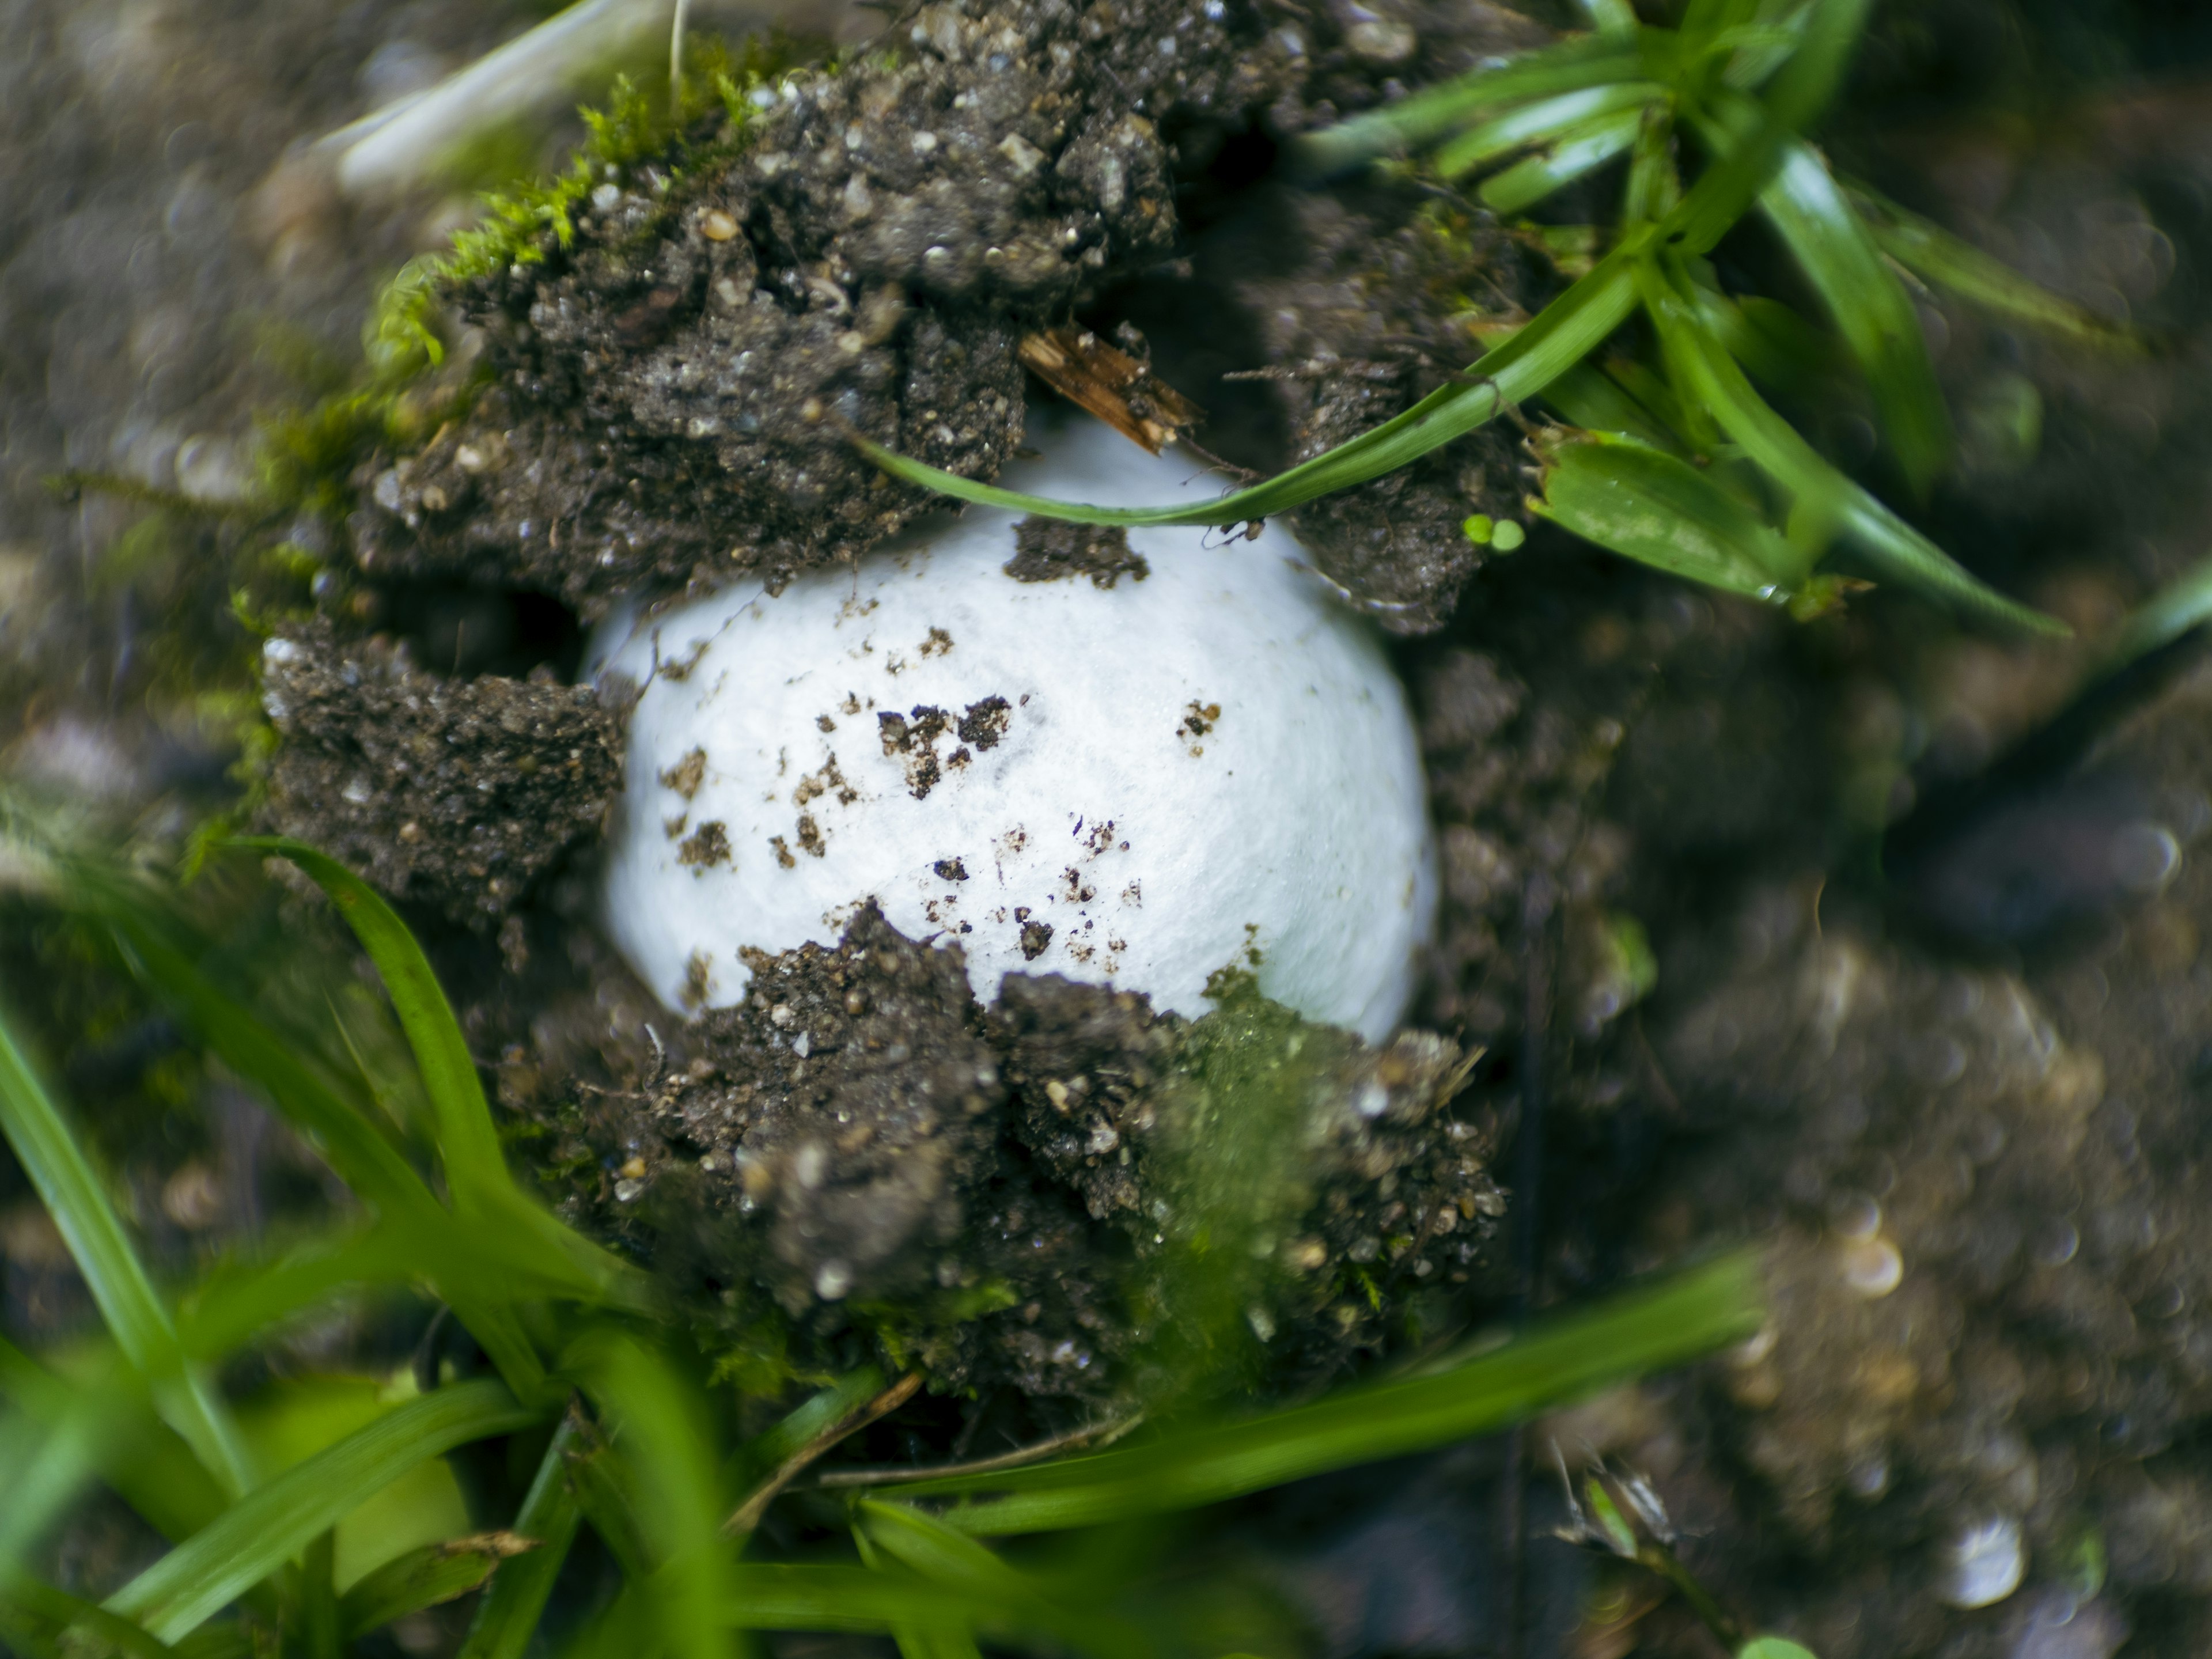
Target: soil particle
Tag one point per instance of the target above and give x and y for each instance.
(1036, 939)
(706, 846)
(1050, 550)
(457, 795)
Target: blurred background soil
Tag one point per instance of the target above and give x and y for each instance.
(1966, 1107)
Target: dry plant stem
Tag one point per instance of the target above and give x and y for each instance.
(1098, 1436)
(748, 1514)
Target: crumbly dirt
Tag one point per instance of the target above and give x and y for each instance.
(1051, 550)
(456, 795)
(1006, 1198)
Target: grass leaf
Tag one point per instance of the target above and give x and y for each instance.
(511, 1609)
(1871, 309)
(29, 1600)
(1580, 149)
(662, 1434)
(1712, 378)
(1566, 1357)
(134, 1315)
(269, 1526)
(1544, 122)
(1428, 115)
(1957, 266)
(424, 1577)
(475, 1163)
(1651, 507)
(144, 1460)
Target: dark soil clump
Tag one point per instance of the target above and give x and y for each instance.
(457, 795)
(1021, 1197)
(1048, 550)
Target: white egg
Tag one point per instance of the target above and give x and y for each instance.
(1141, 784)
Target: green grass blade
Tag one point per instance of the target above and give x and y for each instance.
(920, 1641)
(468, 1142)
(476, 1165)
(510, 1610)
(272, 1524)
(1648, 506)
(43, 1467)
(2165, 617)
(1593, 400)
(662, 1434)
(1560, 335)
(1612, 20)
(944, 1555)
(1406, 125)
(134, 1315)
(1958, 267)
(1774, 446)
(318, 1605)
(27, 1597)
(1566, 1357)
(424, 1577)
(1870, 309)
(145, 1461)
(1579, 150)
(1543, 122)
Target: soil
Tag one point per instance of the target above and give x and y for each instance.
(1960, 1104)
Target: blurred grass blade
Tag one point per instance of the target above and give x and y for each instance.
(1774, 446)
(468, 1142)
(424, 1577)
(951, 1640)
(134, 1315)
(804, 1423)
(317, 1607)
(664, 1439)
(476, 1165)
(1648, 506)
(1871, 309)
(944, 1555)
(1567, 1356)
(1412, 122)
(269, 1526)
(1542, 122)
(43, 1467)
(145, 1461)
(76, 1625)
(1938, 257)
(508, 1614)
(838, 1598)
(1581, 149)
(1612, 20)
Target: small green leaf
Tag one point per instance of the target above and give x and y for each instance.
(272, 1524)
(134, 1315)
(1773, 1647)
(1612, 20)
(1648, 506)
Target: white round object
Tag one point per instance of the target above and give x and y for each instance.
(1141, 784)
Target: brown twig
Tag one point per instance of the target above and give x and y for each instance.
(899, 1474)
(748, 1514)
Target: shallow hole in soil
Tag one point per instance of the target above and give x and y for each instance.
(462, 630)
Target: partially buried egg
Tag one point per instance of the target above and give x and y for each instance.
(1139, 760)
